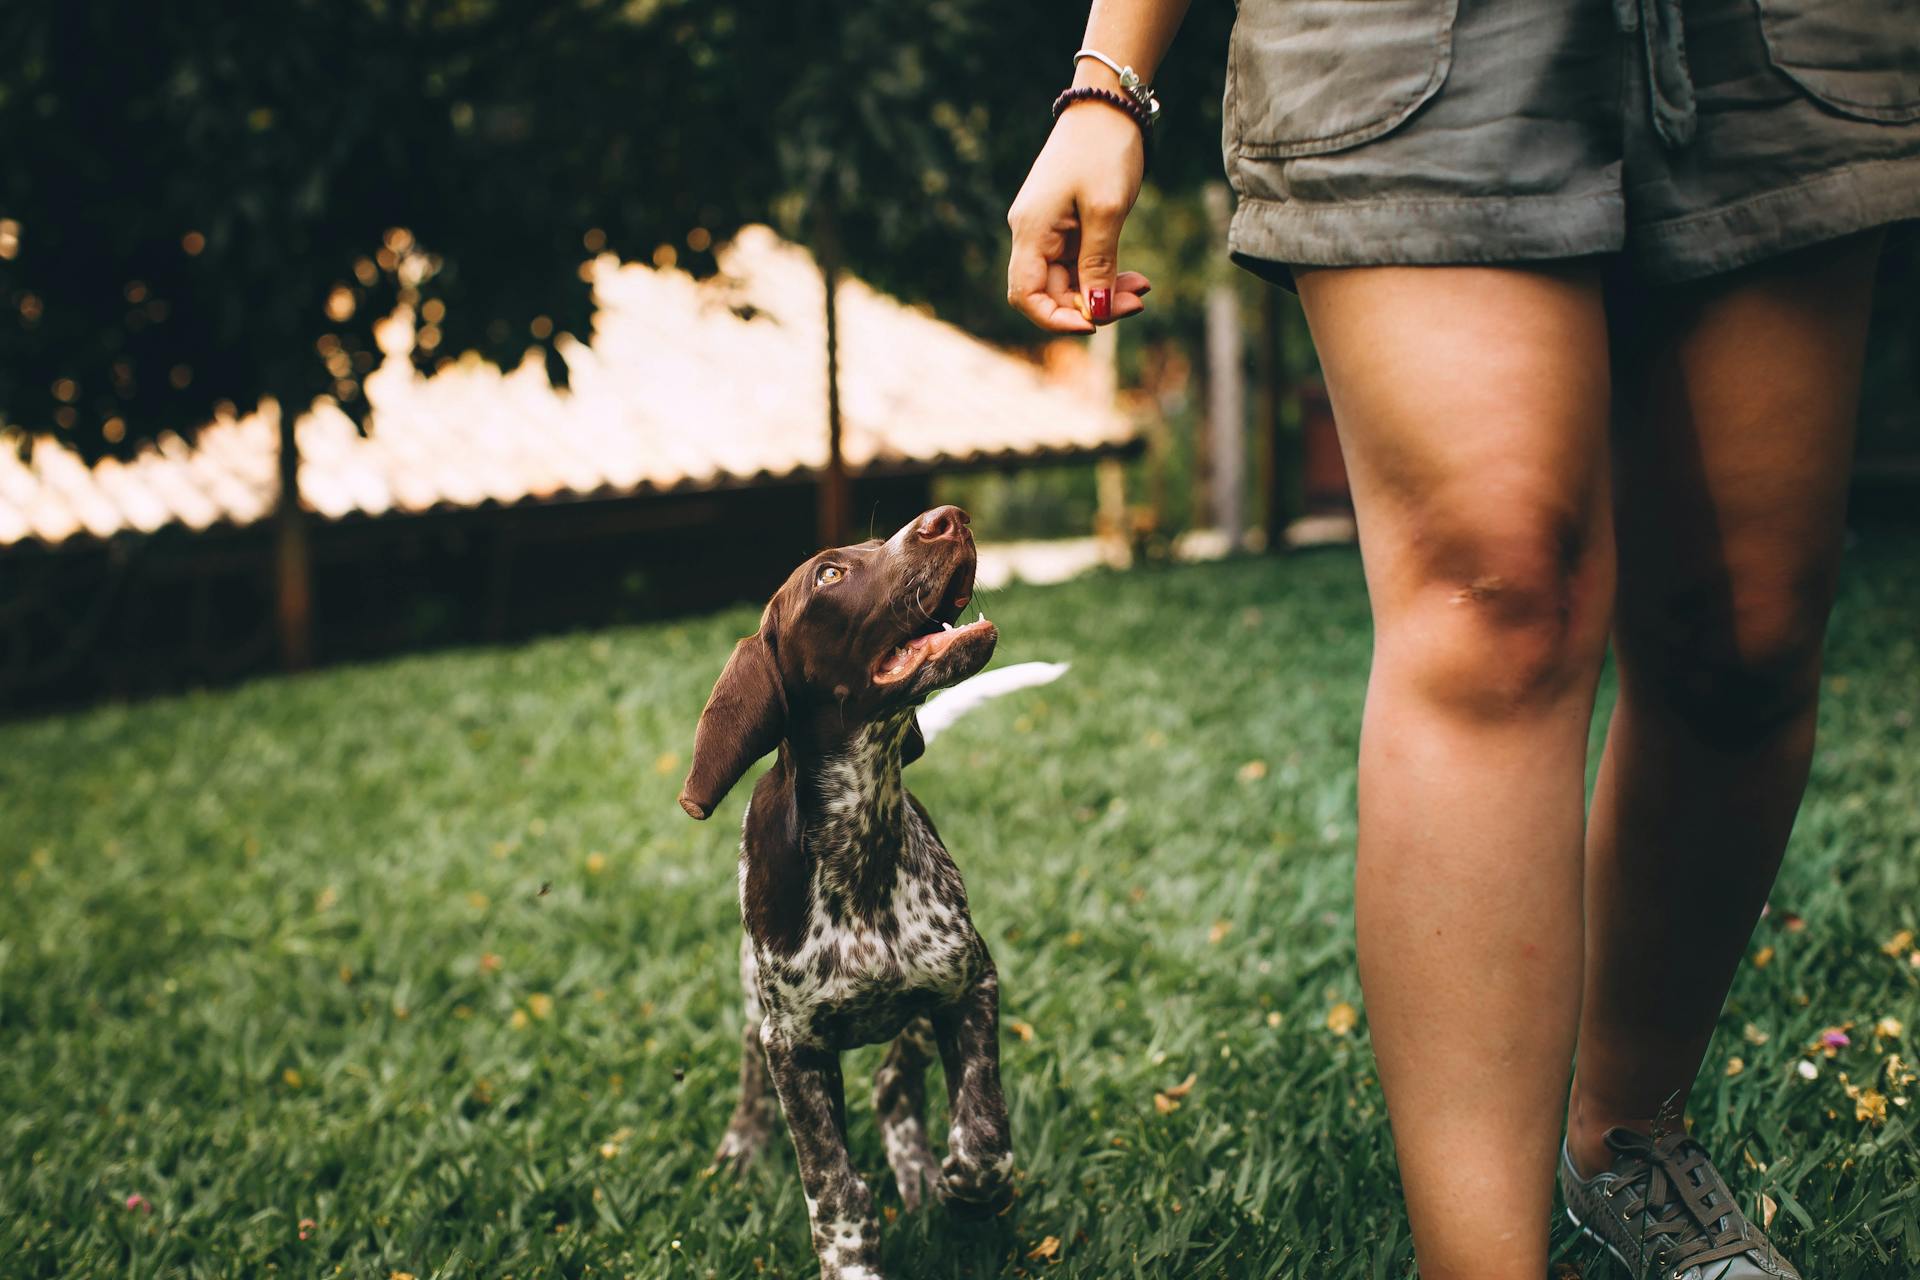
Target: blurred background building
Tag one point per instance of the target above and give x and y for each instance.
(680, 470)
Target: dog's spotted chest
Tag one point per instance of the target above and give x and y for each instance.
(887, 931)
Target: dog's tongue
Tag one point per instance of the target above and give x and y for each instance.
(937, 643)
(921, 648)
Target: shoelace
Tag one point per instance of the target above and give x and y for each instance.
(1687, 1213)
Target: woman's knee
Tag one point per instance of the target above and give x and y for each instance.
(1503, 613)
(1733, 657)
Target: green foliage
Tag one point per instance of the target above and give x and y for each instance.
(193, 183)
(245, 973)
(211, 203)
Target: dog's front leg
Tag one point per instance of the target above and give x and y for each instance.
(752, 1125)
(977, 1175)
(900, 1105)
(846, 1234)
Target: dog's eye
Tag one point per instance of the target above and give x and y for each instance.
(829, 574)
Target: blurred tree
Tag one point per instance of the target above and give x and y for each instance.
(204, 205)
(902, 132)
(208, 204)
(213, 203)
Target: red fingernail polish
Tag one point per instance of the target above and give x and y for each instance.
(1100, 304)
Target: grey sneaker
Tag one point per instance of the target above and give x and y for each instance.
(1664, 1211)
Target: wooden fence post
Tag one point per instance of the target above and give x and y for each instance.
(1226, 389)
(834, 497)
(292, 559)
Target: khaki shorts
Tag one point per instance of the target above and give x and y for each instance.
(1694, 136)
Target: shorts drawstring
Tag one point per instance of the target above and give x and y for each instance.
(1669, 82)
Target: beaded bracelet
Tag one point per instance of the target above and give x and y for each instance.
(1119, 101)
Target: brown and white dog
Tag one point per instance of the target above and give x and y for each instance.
(857, 928)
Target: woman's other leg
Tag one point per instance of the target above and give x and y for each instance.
(1473, 408)
(1735, 436)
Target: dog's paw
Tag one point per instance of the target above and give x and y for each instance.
(916, 1183)
(970, 1191)
(960, 1206)
(738, 1150)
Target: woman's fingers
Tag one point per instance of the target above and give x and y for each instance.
(1047, 282)
(1127, 304)
(1128, 287)
(1099, 257)
(1037, 283)
(1064, 271)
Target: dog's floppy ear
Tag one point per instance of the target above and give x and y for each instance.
(745, 717)
(913, 746)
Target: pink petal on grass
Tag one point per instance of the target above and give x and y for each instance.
(138, 1201)
(1834, 1038)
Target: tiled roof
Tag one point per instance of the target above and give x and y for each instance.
(686, 385)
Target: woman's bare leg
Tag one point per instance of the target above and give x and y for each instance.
(1473, 407)
(1735, 434)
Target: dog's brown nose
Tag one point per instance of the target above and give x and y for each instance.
(942, 522)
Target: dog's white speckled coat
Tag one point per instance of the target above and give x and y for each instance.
(856, 922)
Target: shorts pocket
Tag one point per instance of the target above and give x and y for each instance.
(1305, 77)
(1859, 57)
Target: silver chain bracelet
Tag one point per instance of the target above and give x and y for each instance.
(1129, 83)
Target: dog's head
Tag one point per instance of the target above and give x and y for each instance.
(856, 634)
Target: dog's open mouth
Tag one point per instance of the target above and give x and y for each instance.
(937, 634)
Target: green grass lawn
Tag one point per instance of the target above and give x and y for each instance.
(424, 956)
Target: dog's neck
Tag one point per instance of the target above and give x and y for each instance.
(826, 832)
(850, 804)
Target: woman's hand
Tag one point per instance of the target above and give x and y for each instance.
(1066, 222)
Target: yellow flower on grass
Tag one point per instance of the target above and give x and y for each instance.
(1870, 1107)
(540, 1005)
(596, 863)
(519, 1020)
(1736, 1065)
(1342, 1018)
(1899, 944)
